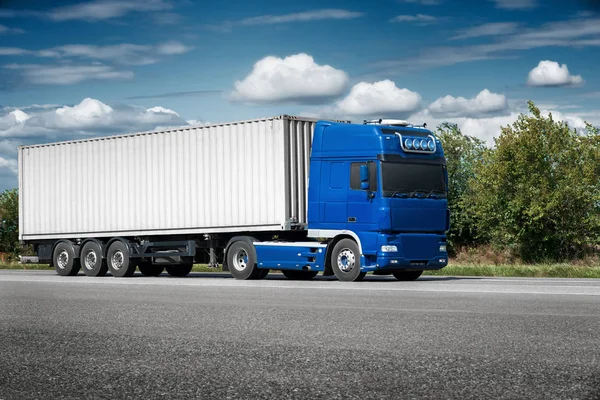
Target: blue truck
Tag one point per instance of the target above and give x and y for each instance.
(285, 193)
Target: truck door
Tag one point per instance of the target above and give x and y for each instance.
(334, 190)
(361, 205)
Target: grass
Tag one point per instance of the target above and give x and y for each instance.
(516, 270)
(503, 270)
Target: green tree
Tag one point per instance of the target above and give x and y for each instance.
(9, 221)
(538, 191)
(462, 153)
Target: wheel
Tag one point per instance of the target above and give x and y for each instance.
(91, 260)
(180, 270)
(148, 269)
(407, 275)
(262, 273)
(119, 263)
(299, 275)
(64, 259)
(241, 259)
(345, 260)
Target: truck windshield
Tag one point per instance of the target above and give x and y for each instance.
(413, 180)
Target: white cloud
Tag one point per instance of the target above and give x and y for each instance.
(488, 128)
(422, 18)
(123, 53)
(516, 4)
(6, 30)
(491, 29)
(159, 109)
(66, 74)
(172, 47)
(484, 104)
(89, 118)
(580, 33)
(379, 99)
(313, 15)
(102, 9)
(296, 78)
(13, 51)
(551, 73)
(305, 16)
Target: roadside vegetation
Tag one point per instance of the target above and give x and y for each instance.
(527, 206)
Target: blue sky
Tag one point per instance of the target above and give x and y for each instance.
(77, 69)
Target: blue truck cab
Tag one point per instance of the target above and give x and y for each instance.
(377, 201)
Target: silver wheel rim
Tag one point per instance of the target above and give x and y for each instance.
(240, 260)
(62, 259)
(90, 260)
(346, 260)
(117, 260)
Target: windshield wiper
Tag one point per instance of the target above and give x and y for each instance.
(407, 193)
(436, 194)
(400, 194)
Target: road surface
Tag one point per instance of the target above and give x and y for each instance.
(210, 336)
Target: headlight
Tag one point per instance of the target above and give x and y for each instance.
(416, 143)
(431, 145)
(442, 247)
(389, 249)
(408, 143)
(424, 144)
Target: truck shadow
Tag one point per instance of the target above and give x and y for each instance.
(320, 278)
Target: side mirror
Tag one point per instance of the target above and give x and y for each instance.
(364, 177)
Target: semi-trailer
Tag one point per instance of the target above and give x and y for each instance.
(286, 193)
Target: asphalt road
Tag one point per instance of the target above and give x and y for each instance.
(210, 336)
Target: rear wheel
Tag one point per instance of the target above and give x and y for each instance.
(299, 275)
(91, 260)
(64, 260)
(241, 260)
(119, 263)
(148, 269)
(407, 275)
(345, 261)
(179, 270)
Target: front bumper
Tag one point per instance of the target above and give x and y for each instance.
(413, 252)
(393, 263)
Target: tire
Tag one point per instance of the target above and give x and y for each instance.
(91, 260)
(407, 275)
(299, 275)
(180, 270)
(345, 261)
(241, 260)
(64, 260)
(148, 269)
(119, 263)
(262, 273)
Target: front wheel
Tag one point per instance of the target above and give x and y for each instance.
(345, 260)
(241, 260)
(407, 275)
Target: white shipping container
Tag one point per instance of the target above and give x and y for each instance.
(238, 176)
